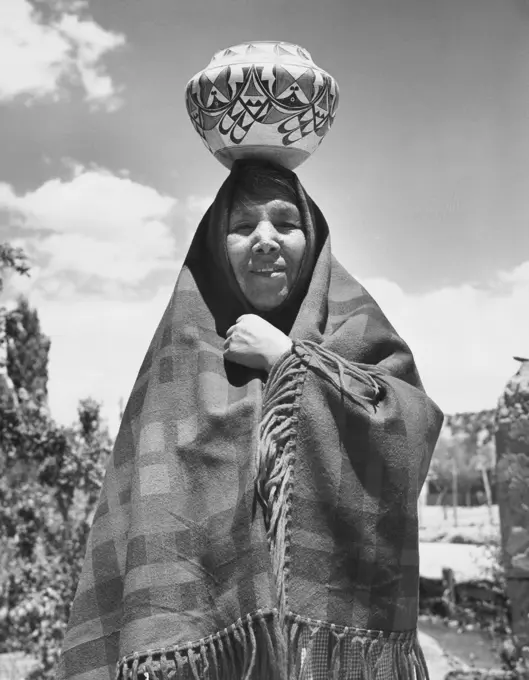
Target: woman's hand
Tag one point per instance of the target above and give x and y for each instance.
(255, 343)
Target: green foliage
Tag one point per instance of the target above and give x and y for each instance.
(27, 350)
(516, 473)
(50, 478)
(12, 259)
(513, 413)
(465, 447)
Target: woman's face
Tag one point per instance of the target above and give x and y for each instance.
(265, 242)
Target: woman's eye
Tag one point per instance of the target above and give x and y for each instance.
(242, 229)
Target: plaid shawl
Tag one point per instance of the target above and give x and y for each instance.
(253, 526)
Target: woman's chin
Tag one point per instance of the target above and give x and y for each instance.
(266, 303)
(266, 296)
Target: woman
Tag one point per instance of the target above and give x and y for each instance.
(258, 517)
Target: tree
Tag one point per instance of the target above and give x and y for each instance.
(27, 350)
(11, 260)
(468, 440)
(451, 468)
(454, 451)
(512, 441)
(50, 478)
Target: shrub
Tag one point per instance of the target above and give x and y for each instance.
(50, 478)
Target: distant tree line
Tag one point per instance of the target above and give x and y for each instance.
(464, 459)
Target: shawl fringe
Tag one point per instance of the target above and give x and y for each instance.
(258, 648)
(252, 647)
(327, 363)
(277, 438)
(274, 483)
(322, 651)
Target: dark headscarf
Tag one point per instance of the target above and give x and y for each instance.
(208, 255)
(255, 526)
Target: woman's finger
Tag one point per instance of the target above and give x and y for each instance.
(231, 330)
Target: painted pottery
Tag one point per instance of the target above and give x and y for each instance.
(262, 100)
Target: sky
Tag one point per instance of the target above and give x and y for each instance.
(423, 178)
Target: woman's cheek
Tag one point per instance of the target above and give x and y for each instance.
(237, 249)
(297, 247)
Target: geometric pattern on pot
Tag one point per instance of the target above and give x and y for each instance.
(262, 94)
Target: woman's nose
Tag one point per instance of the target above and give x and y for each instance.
(266, 238)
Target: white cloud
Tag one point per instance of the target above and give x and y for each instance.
(97, 348)
(96, 223)
(197, 205)
(38, 57)
(94, 202)
(463, 337)
(519, 274)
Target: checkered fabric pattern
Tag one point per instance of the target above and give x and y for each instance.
(361, 653)
(177, 580)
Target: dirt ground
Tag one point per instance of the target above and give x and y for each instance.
(481, 523)
(14, 666)
(474, 554)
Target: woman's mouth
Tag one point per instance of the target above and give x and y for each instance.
(268, 271)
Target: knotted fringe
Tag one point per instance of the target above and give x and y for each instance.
(252, 647)
(277, 439)
(319, 651)
(328, 364)
(258, 648)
